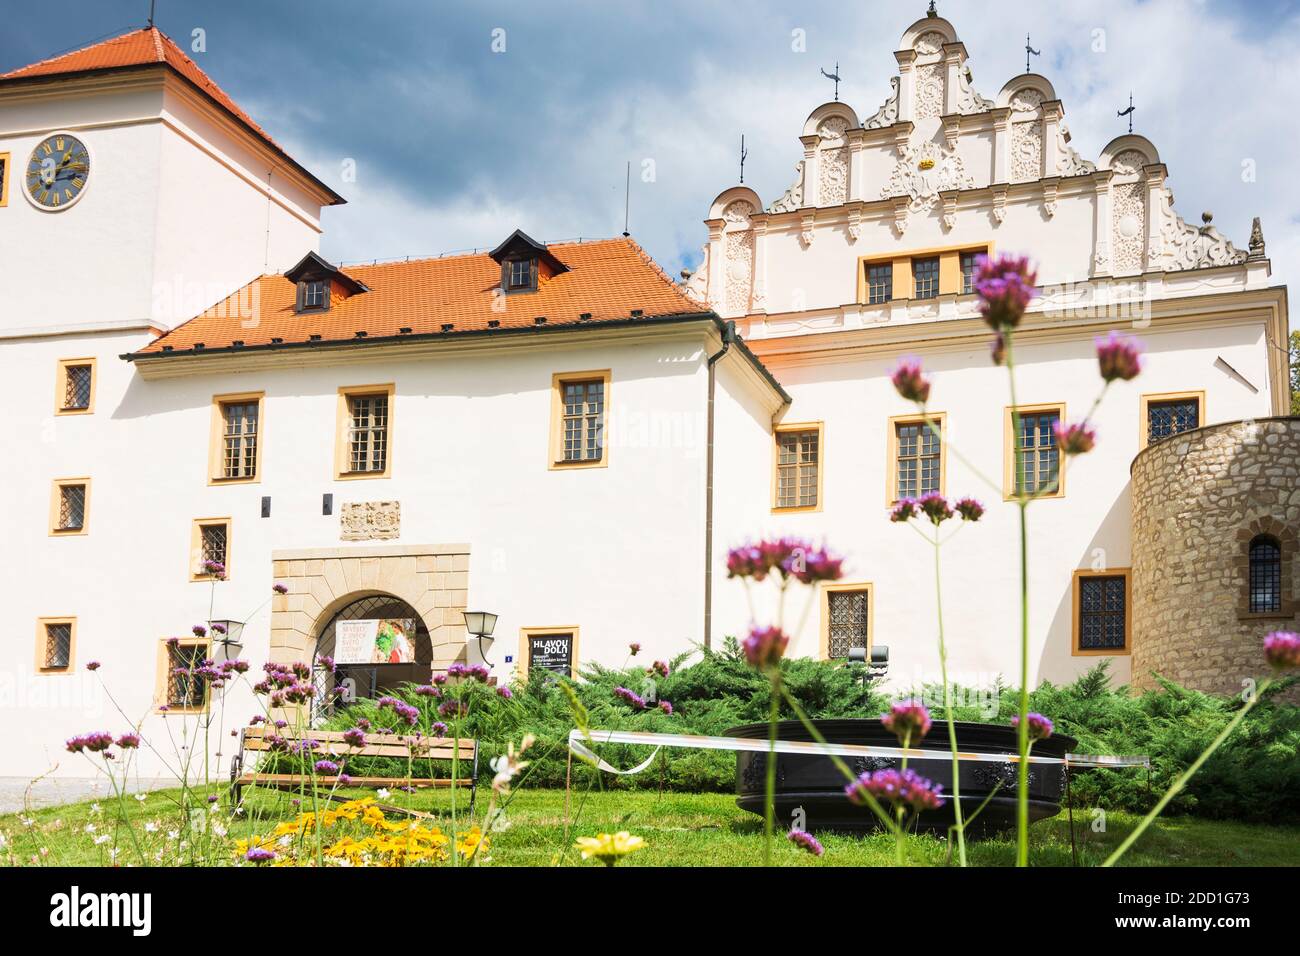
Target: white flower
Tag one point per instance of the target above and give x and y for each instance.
(90, 828)
(96, 808)
(3, 841)
(172, 834)
(382, 793)
(140, 797)
(112, 853)
(28, 821)
(218, 829)
(150, 827)
(101, 839)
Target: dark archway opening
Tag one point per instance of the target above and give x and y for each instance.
(371, 678)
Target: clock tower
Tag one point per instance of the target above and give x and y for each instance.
(136, 192)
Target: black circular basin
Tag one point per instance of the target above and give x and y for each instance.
(810, 788)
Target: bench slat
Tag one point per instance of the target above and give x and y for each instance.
(280, 779)
(378, 745)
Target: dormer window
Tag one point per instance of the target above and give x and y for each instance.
(313, 295)
(521, 275)
(525, 264)
(318, 282)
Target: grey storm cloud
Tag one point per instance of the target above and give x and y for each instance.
(456, 144)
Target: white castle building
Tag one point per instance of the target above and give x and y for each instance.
(560, 434)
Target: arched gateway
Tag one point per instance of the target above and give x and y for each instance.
(386, 614)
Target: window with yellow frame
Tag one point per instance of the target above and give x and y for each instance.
(5, 167)
(1166, 414)
(911, 274)
(1033, 464)
(178, 688)
(363, 443)
(56, 645)
(579, 413)
(847, 618)
(235, 439)
(917, 455)
(797, 470)
(1102, 612)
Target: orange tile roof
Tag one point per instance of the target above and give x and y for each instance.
(608, 279)
(145, 47)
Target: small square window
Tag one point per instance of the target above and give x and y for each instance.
(70, 506)
(184, 687)
(55, 652)
(75, 387)
(1173, 416)
(313, 295)
(925, 278)
(520, 274)
(880, 282)
(210, 549)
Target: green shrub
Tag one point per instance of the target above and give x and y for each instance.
(1255, 775)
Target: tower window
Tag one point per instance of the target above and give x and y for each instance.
(521, 275)
(313, 295)
(1265, 575)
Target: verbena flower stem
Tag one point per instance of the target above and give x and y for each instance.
(947, 709)
(1022, 502)
(769, 800)
(1186, 775)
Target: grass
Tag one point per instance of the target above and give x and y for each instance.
(680, 829)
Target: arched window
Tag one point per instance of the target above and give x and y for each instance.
(1265, 575)
(377, 643)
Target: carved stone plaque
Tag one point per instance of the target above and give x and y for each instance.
(370, 520)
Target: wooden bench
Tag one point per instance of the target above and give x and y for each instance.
(332, 746)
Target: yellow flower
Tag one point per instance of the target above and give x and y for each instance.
(467, 844)
(609, 848)
(252, 843)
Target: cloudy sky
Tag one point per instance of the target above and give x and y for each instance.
(465, 120)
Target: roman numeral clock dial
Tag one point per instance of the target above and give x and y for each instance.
(57, 172)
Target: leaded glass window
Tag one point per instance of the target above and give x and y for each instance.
(583, 420)
(72, 507)
(212, 540)
(925, 278)
(1165, 419)
(1103, 617)
(798, 458)
(239, 440)
(76, 387)
(880, 283)
(1265, 575)
(185, 688)
(58, 646)
(918, 459)
(367, 433)
(1038, 460)
(848, 622)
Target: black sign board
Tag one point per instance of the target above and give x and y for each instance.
(552, 652)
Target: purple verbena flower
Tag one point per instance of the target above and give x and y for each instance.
(936, 507)
(1040, 728)
(354, 737)
(910, 380)
(634, 648)
(667, 707)
(1078, 438)
(1119, 356)
(279, 588)
(1282, 650)
(128, 741)
(634, 699)
(908, 720)
(1005, 286)
(904, 509)
(969, 509)
(259, 854)
(198, 630)
(765, 646)
(93, 666)
(806, 841)
(904, 788)
(504, 692)
(326, 768)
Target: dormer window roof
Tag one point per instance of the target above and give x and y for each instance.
(524, 261)
(318, 281)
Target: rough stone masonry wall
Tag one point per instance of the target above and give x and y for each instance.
(1198, 499)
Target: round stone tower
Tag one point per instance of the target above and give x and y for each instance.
(1216, 513)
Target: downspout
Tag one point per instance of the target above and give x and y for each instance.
(728, 337)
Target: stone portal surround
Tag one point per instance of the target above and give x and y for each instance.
(433, 579)
(1198, 499)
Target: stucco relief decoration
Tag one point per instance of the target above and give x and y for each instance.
(923, 172)
(968, 100)
(1128, 204)
(739, 250)
(929, 91)
(929, 44)
(370, 520)
(697, 283)
(1186, 247)
(792, 198)
(887, 115)
(1070, 162)
(833, 162)
(1026, 136)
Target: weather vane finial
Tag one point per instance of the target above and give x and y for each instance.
(743, 154)
(1128, 112)
(1029, 51)
(152, 4)
(931, 12)
(834, 76)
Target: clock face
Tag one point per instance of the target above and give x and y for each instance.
(58, 172)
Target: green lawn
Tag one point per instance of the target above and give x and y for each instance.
(680, 830)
